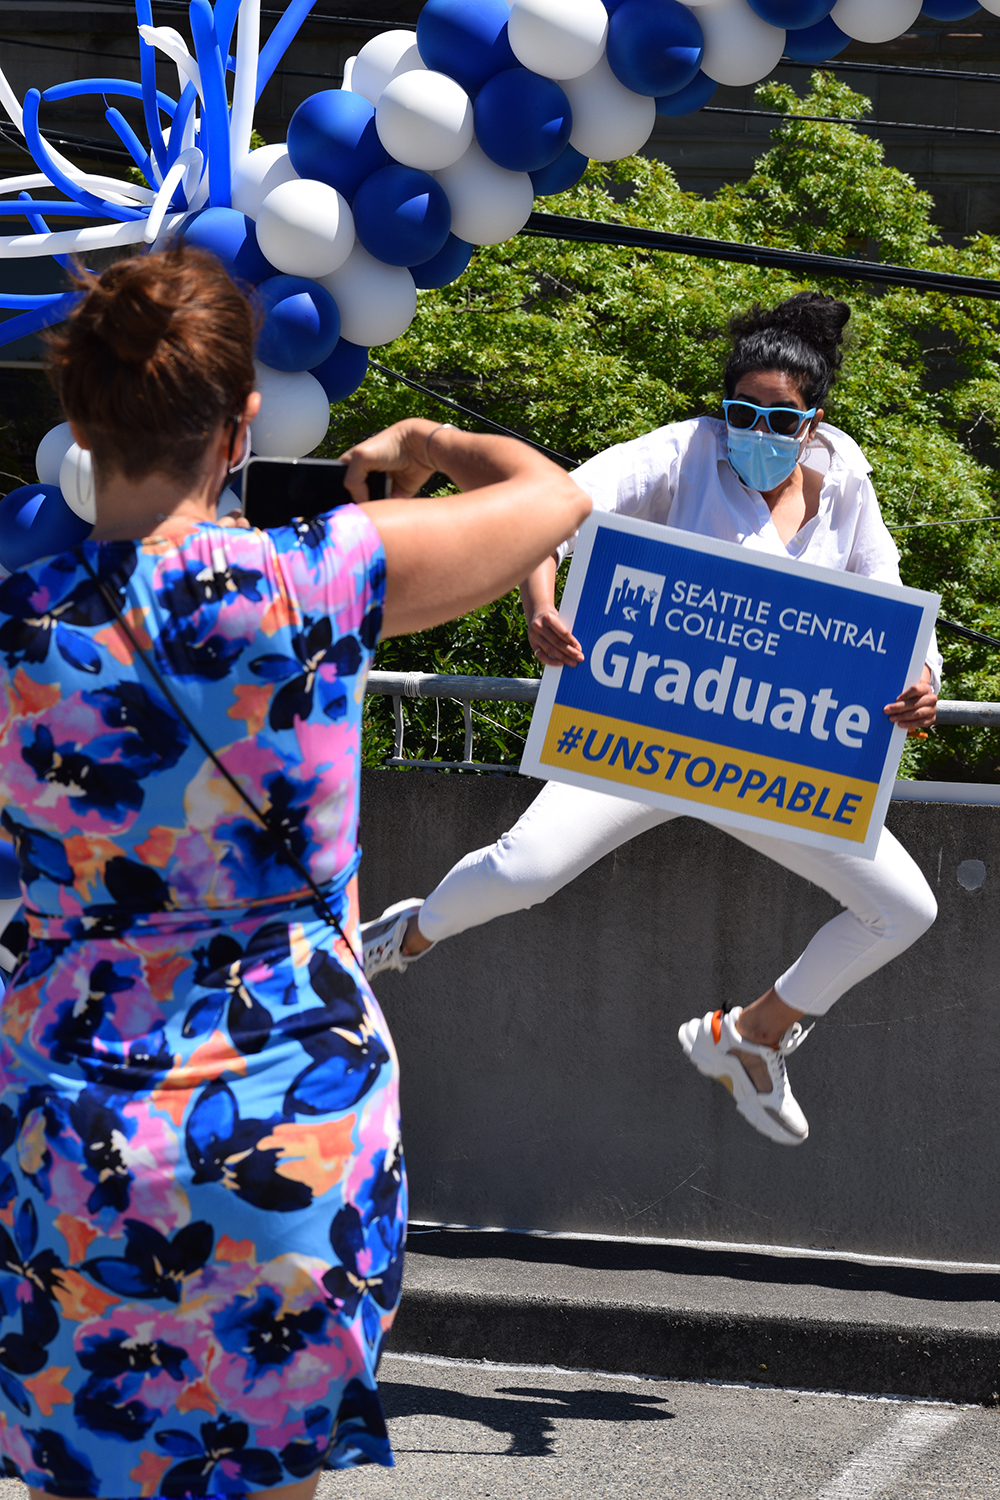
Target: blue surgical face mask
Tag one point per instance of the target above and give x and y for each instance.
(763, 460)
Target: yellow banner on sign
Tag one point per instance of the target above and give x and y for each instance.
(709, 775)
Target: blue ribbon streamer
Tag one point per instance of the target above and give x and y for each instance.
(215, 115)
(132, 143)
(147, 72)
(53, 206)
(39, 225)
(187, 103)
(57, 176)
(279, 41)
(42, 317)
(226, 12)
(119, 86)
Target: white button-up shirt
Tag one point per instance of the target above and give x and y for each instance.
(680, 475)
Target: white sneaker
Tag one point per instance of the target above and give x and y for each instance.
(711, 1043)
(382, 940)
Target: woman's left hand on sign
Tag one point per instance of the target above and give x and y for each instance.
(916, 707)
(400, 451)
(553, 643)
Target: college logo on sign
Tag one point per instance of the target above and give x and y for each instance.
(730, 683)
(635, 594)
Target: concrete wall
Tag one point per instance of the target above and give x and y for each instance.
(543, 1086)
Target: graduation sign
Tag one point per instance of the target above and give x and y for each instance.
(730, 684)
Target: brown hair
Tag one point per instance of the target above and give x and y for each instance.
(157, 355)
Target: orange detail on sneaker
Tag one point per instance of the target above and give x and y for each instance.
(717, 1027)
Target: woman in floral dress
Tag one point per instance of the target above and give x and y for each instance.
(202, 1195)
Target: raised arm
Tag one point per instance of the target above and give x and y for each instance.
(447, 556)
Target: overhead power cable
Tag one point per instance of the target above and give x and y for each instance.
(628, 236)
(368, 22)
(967, 634)
(901, 70)
(476, 416)
(770, 114)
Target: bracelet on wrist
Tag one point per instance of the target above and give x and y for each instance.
(428, 461)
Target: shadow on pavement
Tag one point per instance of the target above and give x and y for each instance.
(775, 1270)
(526, 1414)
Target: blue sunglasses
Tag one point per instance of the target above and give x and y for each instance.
(783, 421)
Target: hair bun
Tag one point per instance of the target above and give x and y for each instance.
(127, 315)
(814, 317)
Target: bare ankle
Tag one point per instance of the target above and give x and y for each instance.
(414, 942)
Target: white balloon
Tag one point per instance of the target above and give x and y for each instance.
(488, 203)
(609, 121)
(424, 120)
(875, 23)
(257, 174)
(558, 38)
(379, 60)
(993, 6)
(377, 302)
(305, 228)
(294, 413)
(348, 74)
(76, 480)
(50, 453)
(740, 48)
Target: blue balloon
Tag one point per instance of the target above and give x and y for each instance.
(816, 43)
(232, 238)
(35, 522)
(342, 372)
(565, 172)
(445, 267)
(687, 100)
(655, 47)
(949, 10)
(402, 216)
(793, 15)
(467, 39)
(523, 121)
(332, 139)
(301, 323)
(10, 873)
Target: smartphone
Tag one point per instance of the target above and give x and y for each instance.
(278, 490)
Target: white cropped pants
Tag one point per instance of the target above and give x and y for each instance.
(887, 902)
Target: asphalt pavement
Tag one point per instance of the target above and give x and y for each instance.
(749, 1315)
(516, 1432)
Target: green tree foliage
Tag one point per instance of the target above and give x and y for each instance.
(582, 346)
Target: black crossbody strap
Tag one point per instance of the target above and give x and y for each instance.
(285, 849)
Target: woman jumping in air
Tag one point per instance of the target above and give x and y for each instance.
(773, 476)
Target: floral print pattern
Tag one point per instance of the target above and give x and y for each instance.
(202, 1192)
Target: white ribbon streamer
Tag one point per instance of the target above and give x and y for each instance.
(187, 166)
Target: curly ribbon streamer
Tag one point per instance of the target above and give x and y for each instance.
(147, 72)
(132, 143)
(215, 120)
(60, 179)
(280, 40)
(39, 225)
(42, 317)
(244, 88)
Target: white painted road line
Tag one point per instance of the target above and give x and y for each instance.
(884, 1461)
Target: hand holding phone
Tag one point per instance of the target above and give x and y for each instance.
(278, 490)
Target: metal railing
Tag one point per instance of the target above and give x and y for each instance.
(461, 689)
(467, 690)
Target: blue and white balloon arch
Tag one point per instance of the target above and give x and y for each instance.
(435, 143)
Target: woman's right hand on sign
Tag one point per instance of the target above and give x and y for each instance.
(552, 641)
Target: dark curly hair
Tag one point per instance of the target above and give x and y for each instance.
(801, 337)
